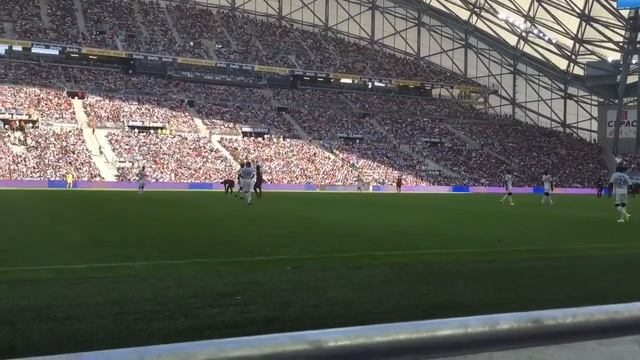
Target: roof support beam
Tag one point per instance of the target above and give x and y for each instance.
(630, 45)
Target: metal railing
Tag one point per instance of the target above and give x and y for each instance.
(418, 339)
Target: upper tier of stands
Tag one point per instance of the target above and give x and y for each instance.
(146, 26)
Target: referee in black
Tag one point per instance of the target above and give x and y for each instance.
(257, 187)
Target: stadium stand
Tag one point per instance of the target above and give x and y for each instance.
(532, 150)
(106, 21)
(63, 23)
(45, 153)
(324, 115)
(381, 134)
(177, 157)
(143, 26)
(230, 119)
(118, 110)
(48, 105)
(291, 161)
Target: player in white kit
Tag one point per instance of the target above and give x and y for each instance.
(247, 175)
(621, 183)
(547, 183)
(142, 180)
(508, 185)
(239, 183)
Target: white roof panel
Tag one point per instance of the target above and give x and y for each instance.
(566, 33)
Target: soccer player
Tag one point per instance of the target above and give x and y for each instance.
(599, 188)
(360, 183)
(239, 192)
(257, 187)
(142, 179)
(621, 181)
(229, 184)
(69, 180)
(508, 185)
(399, 184)
(247, 175)
(547, 182)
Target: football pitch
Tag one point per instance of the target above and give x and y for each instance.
(89, 270)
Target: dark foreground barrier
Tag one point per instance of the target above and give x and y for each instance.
(410, 340)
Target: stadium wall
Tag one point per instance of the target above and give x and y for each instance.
(117, 185)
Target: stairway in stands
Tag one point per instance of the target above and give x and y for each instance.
(137, 14)
(202, 128)
(175, 33)
(215, 140)
(97, 149)
(44, 14)
(80, 16)
(303, 135)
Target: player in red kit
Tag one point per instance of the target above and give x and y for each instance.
(399, 184)
(229, 184)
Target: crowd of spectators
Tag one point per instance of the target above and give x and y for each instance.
(255, 40)
(107, 21)
(291, 161)
(324, 124)
(225, 94)
(46, 153)
(26, 17)
(198, 24)
(382, 163)
(63, 22)
(632, 162)
(473, 166)
(308, 97)
(422, 124)
(246, 48)
(229, 119)
(159, 38)
(45, 104)
(24, 73)
(532, 150)
(119, 110)
(177, 157)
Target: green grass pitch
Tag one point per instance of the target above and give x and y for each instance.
(181, 266)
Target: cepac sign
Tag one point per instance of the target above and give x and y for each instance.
(628, 123)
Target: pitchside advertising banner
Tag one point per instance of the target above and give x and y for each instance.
(115, 185)
(628, 122)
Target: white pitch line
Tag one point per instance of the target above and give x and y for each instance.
(310, 256)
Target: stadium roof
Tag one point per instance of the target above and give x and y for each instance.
(564, 33)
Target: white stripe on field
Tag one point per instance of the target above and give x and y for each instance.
(311, 256)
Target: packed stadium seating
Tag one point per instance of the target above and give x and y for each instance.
(229, 119)
(177, 157)
(46, 153)
(145, 26)
(118, 110)
(49, 105)
(399, 133)
(532, 150)
(381, 163)
(291, 161)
